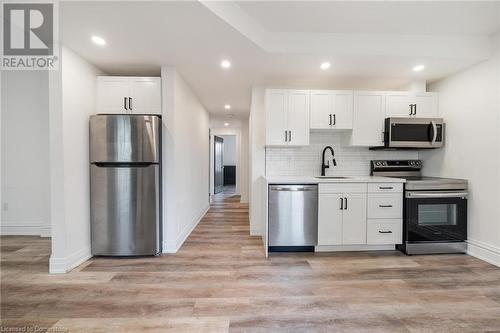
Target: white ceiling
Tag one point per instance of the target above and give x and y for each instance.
(281, 43)
(391, 17)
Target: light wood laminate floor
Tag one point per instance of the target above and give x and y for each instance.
(220, 281)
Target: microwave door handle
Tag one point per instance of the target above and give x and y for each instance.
(434, 132)
(430, 133)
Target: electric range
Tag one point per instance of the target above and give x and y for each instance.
(434, 208)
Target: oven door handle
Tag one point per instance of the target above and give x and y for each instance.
(422, 194)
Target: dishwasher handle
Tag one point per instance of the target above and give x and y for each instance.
(295, 188)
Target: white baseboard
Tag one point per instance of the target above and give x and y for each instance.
(168, 248)
(66, 264)
(24, 228)
(486, 252)
(340, 248)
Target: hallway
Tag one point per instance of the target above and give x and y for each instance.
(220, 281)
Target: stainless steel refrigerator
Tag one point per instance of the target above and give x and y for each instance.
(125, 184)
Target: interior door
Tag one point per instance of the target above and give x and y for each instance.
(218, 164)
(354, 218)
(112, 94)
(298, 117)
(146, 95)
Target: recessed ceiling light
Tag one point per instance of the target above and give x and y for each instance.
(325, 65)
(226, 124)
(418, 68)
(225, 64)
(98, 40)
(227, 106)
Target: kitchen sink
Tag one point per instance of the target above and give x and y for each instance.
(331, 177)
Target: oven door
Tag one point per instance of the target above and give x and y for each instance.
(435, 216)
(414, 132)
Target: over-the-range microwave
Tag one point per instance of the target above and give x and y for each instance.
(413, 133)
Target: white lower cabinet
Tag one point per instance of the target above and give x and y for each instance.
(384, 231)
(354, 219)
(342, 214)
(385, 205)
(350, 214)
(330, 219)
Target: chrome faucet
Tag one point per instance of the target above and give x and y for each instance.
(323, 165)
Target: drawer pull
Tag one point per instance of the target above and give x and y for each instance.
(385, 206)
(385, 232)
(385, 187)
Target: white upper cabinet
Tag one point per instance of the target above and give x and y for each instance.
(398, 104)
(121, 94)
(112, 94)
(368, 118)
(146, 94)
(426, 105)
(276, 117)
(331, 109)
(321, 109)
(409, 104)
(298, 117)
(287, 117)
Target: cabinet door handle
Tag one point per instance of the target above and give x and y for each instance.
(385, 187)
(411, 109)
(345, 205)
(341, 203)
(334, 119)
(385, 232)
(290, 136)
(130, 103)
(125, 103)
(415, 112)
(330, 119)
(385, 206)
(286, 136)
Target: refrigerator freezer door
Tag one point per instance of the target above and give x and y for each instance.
(124, 139)
(125, 210)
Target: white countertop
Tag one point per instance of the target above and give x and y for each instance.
(314, 180)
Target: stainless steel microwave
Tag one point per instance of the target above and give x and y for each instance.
(414, 133)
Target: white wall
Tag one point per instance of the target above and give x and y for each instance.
(185, 158)
(257, 137)
(25, 153)
(229, 156)
(469, 103)
(72, 100)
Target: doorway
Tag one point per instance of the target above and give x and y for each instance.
(218, 164)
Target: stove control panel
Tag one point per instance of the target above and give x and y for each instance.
(392, 165)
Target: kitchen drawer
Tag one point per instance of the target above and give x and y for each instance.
(387, 231)
(385, 187)
(342, 188)
(385, 205)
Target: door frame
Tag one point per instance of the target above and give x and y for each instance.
(225, 131)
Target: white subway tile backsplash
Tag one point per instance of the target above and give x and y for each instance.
(306, 161)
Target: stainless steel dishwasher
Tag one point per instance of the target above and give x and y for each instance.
(293, 217)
